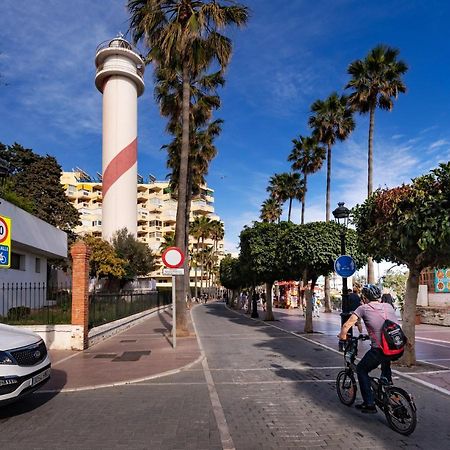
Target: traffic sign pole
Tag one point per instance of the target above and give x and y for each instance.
(174, 314)
(173, 258)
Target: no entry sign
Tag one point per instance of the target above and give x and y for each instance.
(173, 257)
(5, 242)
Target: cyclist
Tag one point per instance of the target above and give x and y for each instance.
(374, 314)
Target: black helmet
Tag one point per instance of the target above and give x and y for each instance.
(371, 292)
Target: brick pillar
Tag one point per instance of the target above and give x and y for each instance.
(80, 295)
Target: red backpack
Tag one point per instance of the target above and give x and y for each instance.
(393, 340)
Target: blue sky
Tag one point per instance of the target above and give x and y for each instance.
(289, 55)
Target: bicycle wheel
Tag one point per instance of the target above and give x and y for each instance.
(346, 387)
(400, 411)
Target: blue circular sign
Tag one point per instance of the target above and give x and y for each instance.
(345, 266)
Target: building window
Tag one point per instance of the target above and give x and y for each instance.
(155, 223)
(17, 261)
(37, 265)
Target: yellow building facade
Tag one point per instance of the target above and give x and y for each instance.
(156, 214)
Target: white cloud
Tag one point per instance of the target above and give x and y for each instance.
(438, 143)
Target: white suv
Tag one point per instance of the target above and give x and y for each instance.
(24, 363)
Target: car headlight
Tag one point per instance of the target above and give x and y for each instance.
(5, 358)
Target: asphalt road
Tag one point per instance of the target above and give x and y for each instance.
(258, 388)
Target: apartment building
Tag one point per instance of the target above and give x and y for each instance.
(156, 212)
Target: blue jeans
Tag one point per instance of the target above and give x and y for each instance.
(371, 360)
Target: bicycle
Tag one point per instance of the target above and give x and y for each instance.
(398, 406)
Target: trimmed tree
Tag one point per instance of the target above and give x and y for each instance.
(261, 256)
(409, 225)
(313, 248)
(230, 277)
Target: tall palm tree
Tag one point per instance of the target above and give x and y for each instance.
(376, 81)
(184, 34)
(331, 120)
(201, 228)
(217, 234)
(307, 157)
(271, 210)
(204, 99)
(286, 186)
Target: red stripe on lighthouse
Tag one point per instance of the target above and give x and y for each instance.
(123, 161)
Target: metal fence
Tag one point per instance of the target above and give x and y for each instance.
(35, 303)
(107, 307)
(43, 304)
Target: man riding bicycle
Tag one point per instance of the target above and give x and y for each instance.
(374, 314)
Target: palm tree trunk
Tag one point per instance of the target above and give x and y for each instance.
(370, 271)
(187, 273)
(202, 268)
(290, 207)
(196, 268)
(409, 316)
(180, 228)
(327, 219)
(327, 202)
(305, 179)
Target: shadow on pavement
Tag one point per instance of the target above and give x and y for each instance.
(315, 369)
(34, 400)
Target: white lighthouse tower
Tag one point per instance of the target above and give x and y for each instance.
(120, 78)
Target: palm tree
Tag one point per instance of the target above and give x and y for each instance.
(271, 210)
(169, 241)
(217, 234)
(201, 229)
(331, 120)
(184, 35)
(286, 186)
(204, 99)
(376, 81)
(307, 157)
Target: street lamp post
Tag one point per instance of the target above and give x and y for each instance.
(341, 215)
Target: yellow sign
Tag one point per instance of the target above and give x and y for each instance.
(5, 242)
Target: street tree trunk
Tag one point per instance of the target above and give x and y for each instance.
(290, 208)
(409, 316)
(180, 228)
(308, 313)
(269, 309)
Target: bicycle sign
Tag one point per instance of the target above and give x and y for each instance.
(5, 242)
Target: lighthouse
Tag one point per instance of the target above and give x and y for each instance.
(120, 78)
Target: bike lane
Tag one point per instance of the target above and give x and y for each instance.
(277, 390)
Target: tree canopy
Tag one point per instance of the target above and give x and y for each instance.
(409, 225)
(139, 258)
(34, 181)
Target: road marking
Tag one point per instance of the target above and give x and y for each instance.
(401, 374)
(433, 341)
(227, 383)
(431, 372)
(224, 432)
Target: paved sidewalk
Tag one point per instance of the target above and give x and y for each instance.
(139, 353)
(432, 345)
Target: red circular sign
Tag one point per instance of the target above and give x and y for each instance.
(3, 230)
(173, 257)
